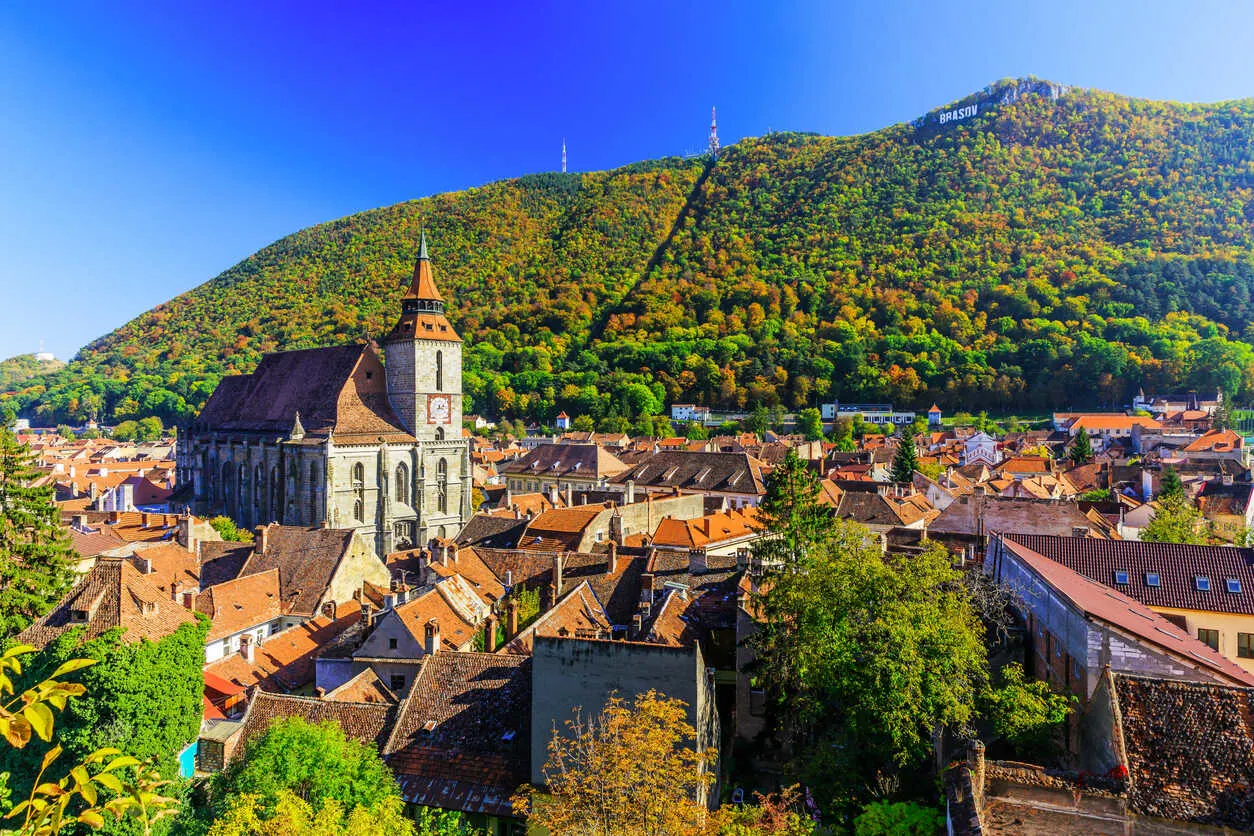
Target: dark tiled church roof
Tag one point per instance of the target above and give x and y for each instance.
(340, 389)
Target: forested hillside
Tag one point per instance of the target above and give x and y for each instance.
(1049, 251)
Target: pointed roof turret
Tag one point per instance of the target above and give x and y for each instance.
(423, 284)
(298, 431)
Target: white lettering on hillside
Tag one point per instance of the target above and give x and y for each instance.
(967, 112)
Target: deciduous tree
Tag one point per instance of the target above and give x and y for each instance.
(631, 770)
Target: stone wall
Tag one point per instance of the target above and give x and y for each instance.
(585, 672)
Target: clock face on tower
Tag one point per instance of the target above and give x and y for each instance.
(437, 409)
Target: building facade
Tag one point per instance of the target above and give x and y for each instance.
(332, 436)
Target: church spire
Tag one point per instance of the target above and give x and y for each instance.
(422, 287)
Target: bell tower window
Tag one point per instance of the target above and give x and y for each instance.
(439, 371)
(441, 486)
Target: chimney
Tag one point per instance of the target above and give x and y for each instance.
(79, 521)
(187, 532)
(442, 552)
(511, 616)
(646, 590)
(489, 634)
(517, 513)
(509, 578)
(696, 562)
(261, 536)
(389, 601)
(328, 610)
(630, 498)
(570, 496)
(450, 549)
(557, 572)
(1227, 479)
(553, 495)
(432, 636)
(320, 693)
(114, 517)
(637, 625)
(246, 648)
(367, 614)
(1147, 485)
(616, 528)
(612, 565)
(143, 564)
(189, 600)
(145, 520)
(975, 760)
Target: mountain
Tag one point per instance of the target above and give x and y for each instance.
(1028, 247)
(23, 367)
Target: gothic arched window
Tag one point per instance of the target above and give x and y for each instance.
(272, 512)
(402, 484)
(439, 433)
(359, 488)
(439, 371)
(259, 493)
(441, 486)
(228, 476)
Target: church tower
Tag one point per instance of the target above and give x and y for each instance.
(424, 360)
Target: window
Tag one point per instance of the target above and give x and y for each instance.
(1210, 637)
(441, 486)
(1234, 585)
(359, 510)
(359, 487)
(1121, 577)
(396, 682)
(1151, 579)
(1203, 583)
(391, 644)
(439, 371)
(439, 433)
(1245, 645)
(315, 486)
(402, 484)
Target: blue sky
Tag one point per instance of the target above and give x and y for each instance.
(145, 147)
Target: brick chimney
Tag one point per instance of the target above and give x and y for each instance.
(511, 616)
(431, 634)
(697, 564)
(557, 572)
(612, 564)
(246, 648)
(261, 538)
(489, 634)
(189, 600)
(616, 528)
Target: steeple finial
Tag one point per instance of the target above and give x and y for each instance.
(298, 431)
(422, 245)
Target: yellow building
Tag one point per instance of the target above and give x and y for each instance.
(1207, 590)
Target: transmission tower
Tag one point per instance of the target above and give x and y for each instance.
(563, 155)
(714, 134)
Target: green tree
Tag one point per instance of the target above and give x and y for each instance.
(759, 421)
(696, 431)
(126, 431)
(65, 431)
(143, 696)
(850, 706)
(291, 815)
(583, 424)
(1028, 714)
(1176, 520)
(150, 429)
(35, 551)
(104, 787)
(316, 762)
(1170, 484)
(790, 514)
(1222, 418)
(810, 424)
(229, 531)
(1082, 447)
(906, 459)
(901, 818)
(842, 435)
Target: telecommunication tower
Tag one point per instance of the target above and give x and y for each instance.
(714, 134)
(563, 155)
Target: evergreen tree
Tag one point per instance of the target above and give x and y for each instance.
(1082, 447)
(1222, 418)
(759, 420)
(906, 459)
(790, 513)
(1170, 485)
(35, 551)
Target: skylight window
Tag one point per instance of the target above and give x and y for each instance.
(1234, 585)
(1121, 577)
(1151, 579)
(1203, 583)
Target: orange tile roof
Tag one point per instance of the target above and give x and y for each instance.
(285, 661)
(241, 603)
(579, 613)
(1216, 441)
(1104, 421)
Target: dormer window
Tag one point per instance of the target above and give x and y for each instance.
(79, 616)
(1202, 583)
